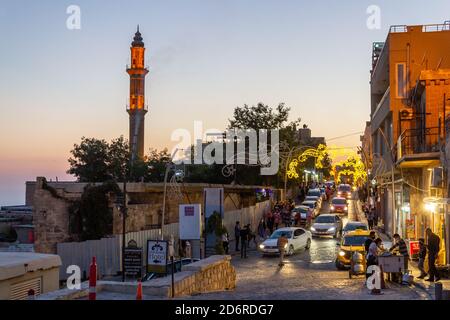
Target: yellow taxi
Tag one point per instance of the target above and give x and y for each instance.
(351, 242)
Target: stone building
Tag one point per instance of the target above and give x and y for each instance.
(52, 200)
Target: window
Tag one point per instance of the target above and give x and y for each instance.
(298, 232)
(400, 78)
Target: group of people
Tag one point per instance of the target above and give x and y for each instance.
(243, 236)
(374, 247)
(371, 216)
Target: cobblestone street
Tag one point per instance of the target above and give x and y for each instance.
(306, 275)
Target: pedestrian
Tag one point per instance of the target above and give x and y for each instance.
(370, 220)
(402, 248)
(237, 234)
(372, 254)
(244, 242)
(369, 241)
(277, 219)
(270, 222)
(262, 230)
(225, 242)
(250, 236)
(433, 251)
(375, 217)
(422, 256)
(281, 243)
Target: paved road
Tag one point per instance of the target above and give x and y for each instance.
(306, 275)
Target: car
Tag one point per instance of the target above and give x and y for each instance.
(355, 225)
(314, 193)
(314, 198)
(323, 192)
(344, 191)
(339, 205)
(350, 243)
(327, 225)
(302, 211)
(298, 238)
(178, 267)
(314, 206)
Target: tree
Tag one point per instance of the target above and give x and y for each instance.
(118, 158)
(89, 161)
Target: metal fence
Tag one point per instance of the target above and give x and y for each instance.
(107, 251)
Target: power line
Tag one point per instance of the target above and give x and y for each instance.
(345, 136)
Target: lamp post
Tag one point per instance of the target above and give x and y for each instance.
(169, 166)
(392, 182)
(121, 204)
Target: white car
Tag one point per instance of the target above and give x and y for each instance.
(314, 206)
(316, 199)
(298, 238)
(327, 225)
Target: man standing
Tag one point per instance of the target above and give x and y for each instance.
(402, 248)
(282, 242)
(237, 234)
(244, 241)
(433, 251)
(369, 241)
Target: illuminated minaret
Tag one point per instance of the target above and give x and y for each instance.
(137, 107)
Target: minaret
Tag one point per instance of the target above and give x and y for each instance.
(137, 108)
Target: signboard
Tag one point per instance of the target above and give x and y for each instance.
(133, 260)
(157, 253)
(213, 198)
(414, 249)
(190, 222)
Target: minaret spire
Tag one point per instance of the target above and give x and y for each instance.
(137, 108)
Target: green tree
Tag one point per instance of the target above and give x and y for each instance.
(89, 161)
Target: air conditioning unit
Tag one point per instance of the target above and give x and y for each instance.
(406, 114)
(437, 177)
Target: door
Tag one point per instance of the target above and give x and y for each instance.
(299, 238)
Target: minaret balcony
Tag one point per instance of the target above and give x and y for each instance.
(134, 108)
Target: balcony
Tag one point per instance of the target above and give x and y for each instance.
(381, 111)
(419, 148)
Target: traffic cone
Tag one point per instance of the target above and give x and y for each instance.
(139, 291)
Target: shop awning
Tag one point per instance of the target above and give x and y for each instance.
(420, 160)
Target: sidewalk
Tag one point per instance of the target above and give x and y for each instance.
(428, 287)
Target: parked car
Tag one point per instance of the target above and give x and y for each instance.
(298, 238)
(354, 225)
(178, 267)
(351, 242)
(327, 225)
(344, 191)
(339, 205)
(314, 198)
(301, 212)
(314, 206)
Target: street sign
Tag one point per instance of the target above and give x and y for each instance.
(157, 254)
(133, 260)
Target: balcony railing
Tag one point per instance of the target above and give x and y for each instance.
(415, 141)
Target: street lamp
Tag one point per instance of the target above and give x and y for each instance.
(170, 166)
(121, 205)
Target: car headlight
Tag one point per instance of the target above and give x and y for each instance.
(341, 253)
(346, 208)
(332, 229)
(261, 246)
(285, 246)
(313, 229)
(332, 207)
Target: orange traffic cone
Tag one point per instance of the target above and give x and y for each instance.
(139, 291)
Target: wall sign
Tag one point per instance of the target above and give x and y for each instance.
(133, 260)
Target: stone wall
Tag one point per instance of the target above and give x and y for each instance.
(50, 219)
(209, 275)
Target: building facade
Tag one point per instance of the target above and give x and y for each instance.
(409, 90)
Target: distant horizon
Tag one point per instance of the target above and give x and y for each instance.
(206, 58)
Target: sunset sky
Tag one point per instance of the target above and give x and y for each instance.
(205, 58)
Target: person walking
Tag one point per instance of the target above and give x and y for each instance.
(225, 242)
(375, 218)
(270, 222)
(422, 256)
(402, 248)
(433, 251)
(370, 219)
(237, 235)
(281, 243)
(244, 241)
(262, 230)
